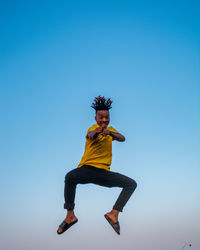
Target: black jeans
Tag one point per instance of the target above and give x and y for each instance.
(88, 174)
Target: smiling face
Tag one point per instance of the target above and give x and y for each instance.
(102, 118)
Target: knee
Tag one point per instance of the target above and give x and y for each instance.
(132, 184)
(69, 176)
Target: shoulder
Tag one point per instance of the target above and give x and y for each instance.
(93, 127)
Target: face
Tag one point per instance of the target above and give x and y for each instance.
(102, 118)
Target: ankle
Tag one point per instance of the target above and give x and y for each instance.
(70, 213)
(114, 212)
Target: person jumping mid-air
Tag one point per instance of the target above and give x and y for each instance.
(95, 167)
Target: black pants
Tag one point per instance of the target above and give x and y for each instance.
(88, 174)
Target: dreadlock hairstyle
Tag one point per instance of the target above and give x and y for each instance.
(101, 103)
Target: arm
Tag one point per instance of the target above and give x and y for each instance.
(115, 136)
(94, 133)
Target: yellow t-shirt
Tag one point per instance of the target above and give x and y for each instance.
(98, 152)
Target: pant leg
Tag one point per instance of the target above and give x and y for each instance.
(85, 174)
(129, 186)
(89, 174)
(112, 179)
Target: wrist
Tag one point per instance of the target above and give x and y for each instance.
(97, 132)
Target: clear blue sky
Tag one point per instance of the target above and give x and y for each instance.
(55, 57)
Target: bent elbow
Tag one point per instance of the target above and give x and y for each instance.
(123, 139)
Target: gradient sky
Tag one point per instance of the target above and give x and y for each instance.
(55, 57)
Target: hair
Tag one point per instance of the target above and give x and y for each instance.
(101, 103)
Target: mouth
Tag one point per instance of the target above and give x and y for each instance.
(104, 125)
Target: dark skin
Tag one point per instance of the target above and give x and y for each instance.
(102, 118)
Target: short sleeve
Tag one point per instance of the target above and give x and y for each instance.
(93, 127)
(112, 129)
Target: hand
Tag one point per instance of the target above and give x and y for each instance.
(105, 132)
(98, 130)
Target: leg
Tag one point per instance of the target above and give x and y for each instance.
(71, 180)
(74, 177)
(112, 179)
(129, 186)
(82, 175)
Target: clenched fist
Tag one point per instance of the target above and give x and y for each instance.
(105, 132)
(98, 130)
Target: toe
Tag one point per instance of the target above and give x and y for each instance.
(59, 230)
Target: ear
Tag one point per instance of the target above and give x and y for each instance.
(96, 116)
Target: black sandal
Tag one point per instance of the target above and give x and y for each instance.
(64, 225)
(115, 225)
